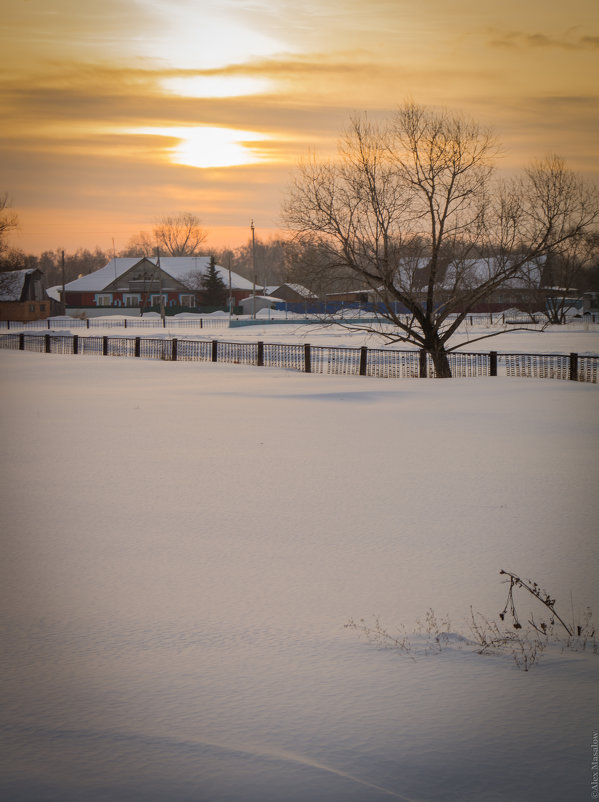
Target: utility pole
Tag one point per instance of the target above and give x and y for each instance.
(161, 296)
(64, 296)
(253, 270)
(230, 289)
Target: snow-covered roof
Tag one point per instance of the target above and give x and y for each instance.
(298, 288)
(478, 271)
(179, 267)
(272, 298)
(12, 283)
(54, 292)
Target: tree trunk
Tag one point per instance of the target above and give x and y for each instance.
(434, 346)
(441, 363)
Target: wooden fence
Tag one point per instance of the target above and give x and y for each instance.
(338, 360)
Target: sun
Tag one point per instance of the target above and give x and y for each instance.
(208, 146)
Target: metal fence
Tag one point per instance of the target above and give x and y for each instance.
(338, 360)
(109, 322)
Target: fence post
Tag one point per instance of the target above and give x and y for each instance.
(574, 367)
(215, 350)
(125, 323)
(137, 348)
(47, 348)
(174, 349)
(363, 360)
(260, 357)
(493, 363)
(104, 346)
(201, 323)
(48, 324)
(8, 325)
(423, 371)
(87, 321)
(75, 344)
(307, 358)
(22, 341)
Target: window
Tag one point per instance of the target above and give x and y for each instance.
(187, 300)
(103, 300)
(132, 300)
(156, 300)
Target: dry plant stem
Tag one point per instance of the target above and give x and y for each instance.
(489, 636)
(534, 590)
(378, 635)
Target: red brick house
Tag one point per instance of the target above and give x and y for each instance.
(131, 284)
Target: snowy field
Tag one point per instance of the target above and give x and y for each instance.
(183, 544)
(578, 337)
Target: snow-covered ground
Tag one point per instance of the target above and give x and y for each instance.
(183, 544)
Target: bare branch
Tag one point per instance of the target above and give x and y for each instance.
(411, 210)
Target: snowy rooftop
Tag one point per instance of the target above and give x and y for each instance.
(12, 283)
(299, 288)
(179, 267)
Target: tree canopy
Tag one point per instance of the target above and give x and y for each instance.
(9, 221)
(180, 234)
(413, 211)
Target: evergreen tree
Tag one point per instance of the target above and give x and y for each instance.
(214, 288)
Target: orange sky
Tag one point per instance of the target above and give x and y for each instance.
(116, 113)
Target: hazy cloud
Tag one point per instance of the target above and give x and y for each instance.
(79, 80)
(519, 39)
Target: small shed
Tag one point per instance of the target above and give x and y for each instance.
(254, 303)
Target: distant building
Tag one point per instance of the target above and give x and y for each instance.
(254, 303)
(292, 292)
(23, 295)
(132, 285)
(519, 291)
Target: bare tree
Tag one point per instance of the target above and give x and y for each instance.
(141, 244)
(411, 209)
(269, 258)
(565, 276)
(9, 221)
(174, 235)
(179, 235)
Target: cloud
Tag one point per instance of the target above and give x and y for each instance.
(521, 40)
(80, 79)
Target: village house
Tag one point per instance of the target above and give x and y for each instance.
(523, 291)
(23, 295)
(134, 285)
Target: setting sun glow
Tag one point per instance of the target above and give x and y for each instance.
(117, 113)
(207, 146)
